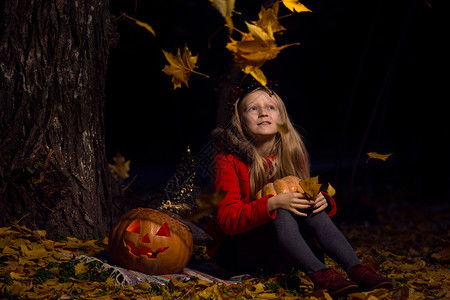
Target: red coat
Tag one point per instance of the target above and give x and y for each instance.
(236, 213)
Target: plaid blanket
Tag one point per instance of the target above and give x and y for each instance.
(126, 277)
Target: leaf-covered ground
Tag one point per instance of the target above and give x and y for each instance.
(410, 244)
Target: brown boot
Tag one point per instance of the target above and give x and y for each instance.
(368, 279)
(333, 281)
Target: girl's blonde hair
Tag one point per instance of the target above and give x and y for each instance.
(289, 151)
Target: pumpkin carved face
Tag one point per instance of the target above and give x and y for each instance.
(288, 184)
(150, 242)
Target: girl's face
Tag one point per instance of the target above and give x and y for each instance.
(259, 114)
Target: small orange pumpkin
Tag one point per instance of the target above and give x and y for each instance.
(288, 184)
(150, 242)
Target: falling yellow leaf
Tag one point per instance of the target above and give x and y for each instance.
(206, 203)
(330, 190)
(311, 186)
(268, 19)
(225, 7)
(180, 67)
(282, 128)
(257, 74)
(254, 49)
(374, 155)
(295, 6)
(120, 167)
(140, 23)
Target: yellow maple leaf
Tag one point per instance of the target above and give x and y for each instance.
(49, 244)
(257, 74)
(140, 23)
(38, 234)
(206, 203)
(330, 190)
(143, 286)
(81, 268)
(180, 66)
(282, 128)
(213, 292)
(110, 282)
(295, 6)
(17, 276)
(120, 167)
(374, 155)
(268, 19)
(254, 49)
(4, 231)
(311, 186)
(225, 8)
(36, 253)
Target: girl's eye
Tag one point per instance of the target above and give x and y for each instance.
(271, 107)
(252, 108)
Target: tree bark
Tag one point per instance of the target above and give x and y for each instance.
(53, 170)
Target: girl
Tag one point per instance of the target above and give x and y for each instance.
(275, 232)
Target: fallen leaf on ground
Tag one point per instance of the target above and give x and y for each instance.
(403, 245)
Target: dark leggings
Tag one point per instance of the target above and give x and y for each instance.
(285, 243)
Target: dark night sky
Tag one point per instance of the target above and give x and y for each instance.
(341, 43)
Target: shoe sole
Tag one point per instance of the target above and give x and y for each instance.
(344, 291)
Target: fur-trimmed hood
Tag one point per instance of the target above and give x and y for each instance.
(228, 140)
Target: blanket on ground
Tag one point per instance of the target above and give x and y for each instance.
(126, 277)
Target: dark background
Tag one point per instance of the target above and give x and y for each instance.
(385, 60)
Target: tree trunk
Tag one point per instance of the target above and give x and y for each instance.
(53, 170)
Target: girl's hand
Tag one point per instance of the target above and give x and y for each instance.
(320, 203)
(293, 202)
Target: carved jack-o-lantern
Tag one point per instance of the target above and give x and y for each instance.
(150, 242)
(288, 184)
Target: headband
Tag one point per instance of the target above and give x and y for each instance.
(238, 92)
